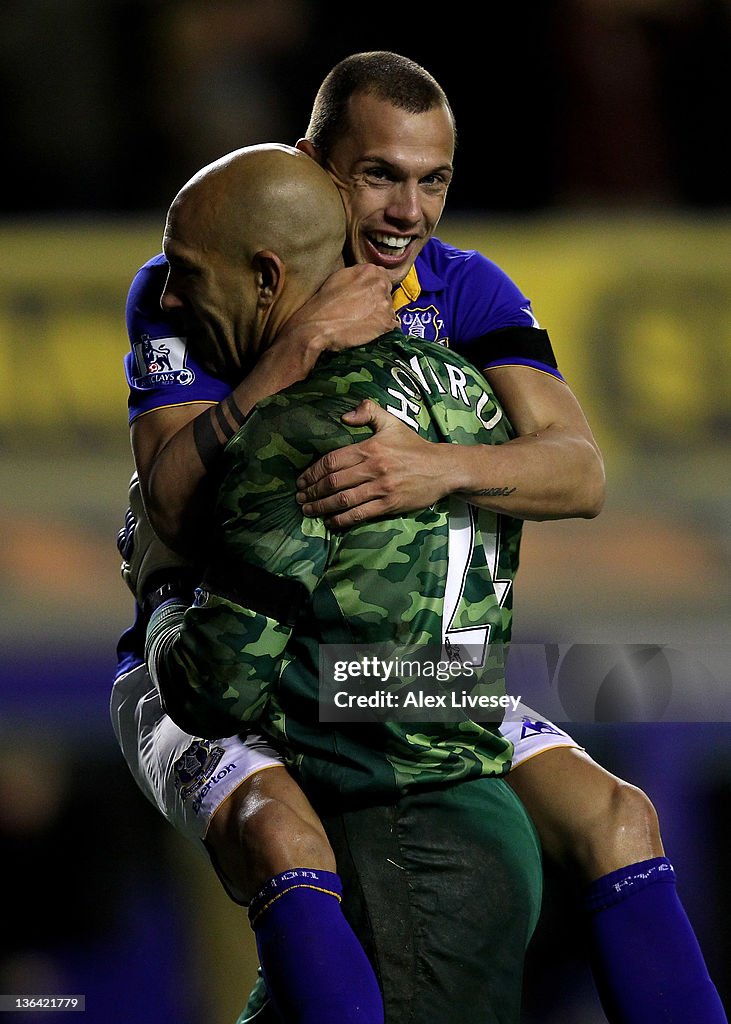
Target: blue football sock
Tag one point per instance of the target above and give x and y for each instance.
(314, 966)
(648, 965)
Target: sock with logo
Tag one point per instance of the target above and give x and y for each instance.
(315, 969)
(647, 963)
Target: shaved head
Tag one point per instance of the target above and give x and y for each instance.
(263, 197)
(249, 239)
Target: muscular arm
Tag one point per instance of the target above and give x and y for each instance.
(215, 662)
(175, 447)
(553, 469)
(554, 463)
(174, 453)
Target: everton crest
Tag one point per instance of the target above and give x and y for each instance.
(196, 765)
(425, 323)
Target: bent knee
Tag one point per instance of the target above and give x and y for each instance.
(266, 827)
(276, 838)
(625, 832)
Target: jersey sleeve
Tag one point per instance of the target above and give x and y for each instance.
(217, 663)
(160, 368)
(494, 323)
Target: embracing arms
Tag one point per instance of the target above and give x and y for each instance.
(553, 469)
(175, 446)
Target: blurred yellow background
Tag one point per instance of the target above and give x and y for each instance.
(639, 312)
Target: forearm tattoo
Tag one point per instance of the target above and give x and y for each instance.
(215, 427)
(234, 412)
(493, 492)
(206, 439)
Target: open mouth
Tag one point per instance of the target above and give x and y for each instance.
(391, 248)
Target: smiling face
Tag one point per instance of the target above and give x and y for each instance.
(393, 169)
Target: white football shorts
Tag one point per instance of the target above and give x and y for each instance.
(532, 734)
(187, 778)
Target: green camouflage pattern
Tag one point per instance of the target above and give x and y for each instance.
(378, 582)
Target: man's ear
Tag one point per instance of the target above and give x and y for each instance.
(306, 147)
(269, 276)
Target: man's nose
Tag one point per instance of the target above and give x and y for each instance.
(169, 300)
(405, 204)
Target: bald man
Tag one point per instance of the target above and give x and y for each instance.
(418, 812)
(249, 213)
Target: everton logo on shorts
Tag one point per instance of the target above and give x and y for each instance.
(422, 323)
(161, 361)
(193, 767)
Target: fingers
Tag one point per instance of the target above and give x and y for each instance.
(327, 473)
(327, 470)
(367, 413)
(346, 500)
(361, 513)
(351, 484)
(343, 487)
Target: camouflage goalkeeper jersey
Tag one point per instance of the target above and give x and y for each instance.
(281, 585)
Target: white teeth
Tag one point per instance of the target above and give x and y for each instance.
(390, 240)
